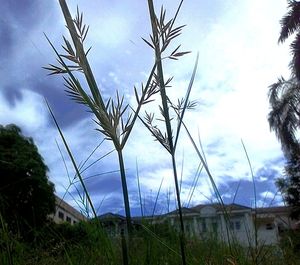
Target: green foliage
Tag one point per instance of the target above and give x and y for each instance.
(290, 23)
(290, 247)
(158, 244)
(114, 118)
(27, 196)
(290, 185)
(284, 117)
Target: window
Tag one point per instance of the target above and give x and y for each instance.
(269, 226)
(61, 215)
(204, 226)
(187, 228)
(68, 219)
(231, 226)
(281, 228)
(215, 227)
(74, 222)
(237, 225)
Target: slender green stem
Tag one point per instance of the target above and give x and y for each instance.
(215, 188)
(139, 188)
(109, 253)
(165, 108)
(72, 160)
(7, 241)
(127, 209)
(160, 75)
(125, 191)
(182, 234)
(156, 199)
(255, 204)
(124, 249)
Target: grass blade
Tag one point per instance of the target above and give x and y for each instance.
(186, 101)
(72, 158)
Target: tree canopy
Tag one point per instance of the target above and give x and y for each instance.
(26, 194)
(290, 24)
(284, 117)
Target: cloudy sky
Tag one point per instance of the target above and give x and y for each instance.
(238, 59)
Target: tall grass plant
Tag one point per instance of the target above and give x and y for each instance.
(88, 243)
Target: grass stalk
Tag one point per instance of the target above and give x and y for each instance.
(7, 242)
(256, 247)
(215, 188)
(109, 115)
(72, 159)
(109, 252)
(139, 188)
(165, 111)
(156, 198)
(125, 191)
(194, 185)
(82, 55)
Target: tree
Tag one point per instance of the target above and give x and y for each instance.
(284, 117)
(290, 185)
(26, 194)
(290, 23)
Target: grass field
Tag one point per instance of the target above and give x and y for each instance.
(87, 243)
(83, 243)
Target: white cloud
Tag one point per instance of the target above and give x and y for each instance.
(29, 112)
(267, 195)
(239, 59)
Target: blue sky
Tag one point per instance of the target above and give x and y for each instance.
(238, 59)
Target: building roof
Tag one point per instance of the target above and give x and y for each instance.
(230, 208)
(184, 210)
(219, 207)
(273, 210)
(111, 216)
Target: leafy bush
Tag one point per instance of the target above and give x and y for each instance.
(26, 194)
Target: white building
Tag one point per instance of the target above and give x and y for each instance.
(233, 222)
(230, 222)
(64, 212)
(272, 222)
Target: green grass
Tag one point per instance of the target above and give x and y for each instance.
(156, 244)
(87, 243)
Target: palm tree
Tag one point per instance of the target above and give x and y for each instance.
(284, 117)
(290, 23)
(284, 94)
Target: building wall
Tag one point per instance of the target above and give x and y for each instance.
(271, 222)
(66, 213)
(239, 224)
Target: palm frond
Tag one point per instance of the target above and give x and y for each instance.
(275, 91)
(291, 21)
(295, 63)
(284, 117)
